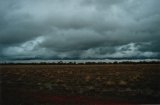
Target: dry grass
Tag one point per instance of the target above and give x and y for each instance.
(129, 83)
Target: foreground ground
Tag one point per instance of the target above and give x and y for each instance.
(80, 84)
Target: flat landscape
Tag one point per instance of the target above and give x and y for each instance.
(80, 84)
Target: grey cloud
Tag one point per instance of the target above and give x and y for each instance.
(80, 28)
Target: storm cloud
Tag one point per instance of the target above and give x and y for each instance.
(79, 29)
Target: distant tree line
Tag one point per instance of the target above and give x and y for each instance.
(85, 63)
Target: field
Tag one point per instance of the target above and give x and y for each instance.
(80, 84)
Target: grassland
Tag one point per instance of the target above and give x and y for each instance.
(80, 84)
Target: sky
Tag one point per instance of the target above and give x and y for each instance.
(79, 29)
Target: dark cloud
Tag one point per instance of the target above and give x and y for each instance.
(79, 28)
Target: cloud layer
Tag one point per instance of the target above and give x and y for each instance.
(79, 29)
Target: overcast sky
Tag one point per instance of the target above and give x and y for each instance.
(79, 29)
